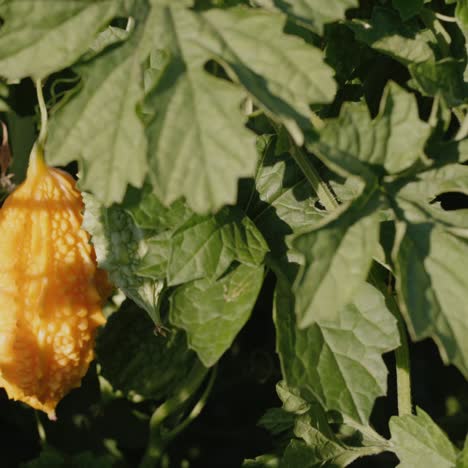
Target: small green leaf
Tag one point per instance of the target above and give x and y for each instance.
(338, 364)
(444, 77)
(206, 246)
(337, 256)
(212, 313)
(40, 37)
(277, 421)
(418, 441)
(137, 361)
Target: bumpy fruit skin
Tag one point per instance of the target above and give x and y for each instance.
(50, 301)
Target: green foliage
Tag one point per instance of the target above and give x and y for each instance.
(418, 440)
(250, 168)
(137, 361)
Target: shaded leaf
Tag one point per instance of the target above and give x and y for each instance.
(137, 361)
(408, 8)
(286, 203)
(387, 33)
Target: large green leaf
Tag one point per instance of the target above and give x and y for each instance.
(40, 37)
(395, 139)
(204, 163)
(337, 256)
(120, 246)
(137, 361)
(432, 285)
(419, 442)
(212, 313)
(339, 363)
(387, 33)
(199, 146)
(205, 246)
(99, 127)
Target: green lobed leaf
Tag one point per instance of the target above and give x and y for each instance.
(40, 37)
(418, 441)
(137, 361)
(395, 139)
(387, 33)
(212, 313)
(338, 364)
(99, 126)
(337, 256)
(120, 246)
(204, 163)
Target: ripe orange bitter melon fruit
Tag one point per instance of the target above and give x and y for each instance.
(51, 291)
